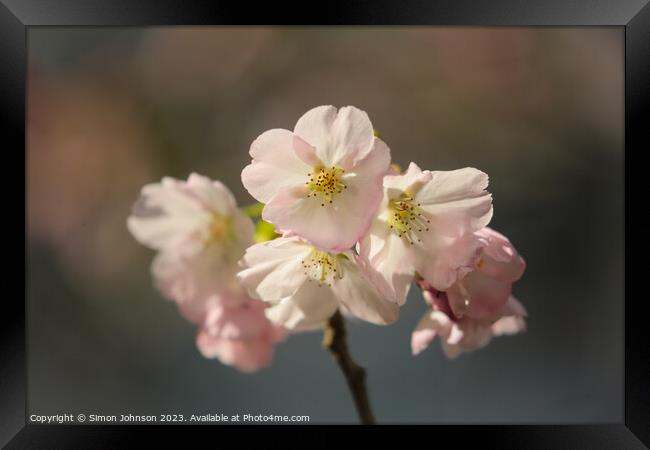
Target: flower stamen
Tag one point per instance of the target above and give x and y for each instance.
(406, 218)
(218, 230)
(322, 267)
(325, 183)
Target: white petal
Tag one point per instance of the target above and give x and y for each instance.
(307, 308)
(361, 298)
(423, 334)
(413, 177)
(340, 138)
(315, 127)
(509, 325)
(213, 195)
(442, 261)
(165, 216)
(456, 201)
(194, 280)
(388, 256)
(275, 165)
(274, 269)
(333, 227)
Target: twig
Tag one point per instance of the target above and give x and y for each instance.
(334, 340)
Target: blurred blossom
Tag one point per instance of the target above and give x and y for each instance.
(190, 64)
(239, 335)
(200, 235)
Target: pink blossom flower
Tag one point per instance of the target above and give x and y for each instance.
(189, 217)
(197, 282)
(201, 235)
(239, 336)
(486, 289)
(479, 305)
(463, 334)
(425, 224)
(305, 285)
(323, 180)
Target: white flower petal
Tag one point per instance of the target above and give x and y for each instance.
(213, 195)
(275, 165)
(339, 138)
(315, 128)
(333, 227)
(413, 177)
(307, 308)
(361, 298)
(388, 256)
(456, 201)
(274, 269)
(165, 215)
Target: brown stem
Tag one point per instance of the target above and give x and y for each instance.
(334, 340)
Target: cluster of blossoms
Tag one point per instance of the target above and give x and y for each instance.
(200, 235)
(353, 235)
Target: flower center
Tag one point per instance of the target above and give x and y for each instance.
(218, 230)
(322, 267)
(325, 183)
(406, 218)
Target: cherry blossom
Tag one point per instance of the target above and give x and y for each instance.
(323, 181)
(305, 286)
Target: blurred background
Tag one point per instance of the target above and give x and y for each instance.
(539, 109)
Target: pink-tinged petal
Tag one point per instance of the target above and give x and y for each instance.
(432, 324)
(243, 230)
(239, 335)
(501, 259)
(352, 136)
(375, 163)
(330, 226)
(247, 356)
(305, 152)
(478, 296)
(213, 195)
(514, 308)
(360, 297)
(508, 326)
(456, 201)
(423, 335)
(340, 138)
(315, 128)
(388, 257)
(420, 340)
(244, 321)
(275, 165)
(308, 308)
(467, 336)
(412, 179)
(443, 261)
(273, 270)
(455, 336)
(165, 216)
(195, 282)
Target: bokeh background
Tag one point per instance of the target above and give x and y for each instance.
(539, 109)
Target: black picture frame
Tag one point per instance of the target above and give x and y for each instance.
(17, 15)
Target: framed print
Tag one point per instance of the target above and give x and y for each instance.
(412, 215)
